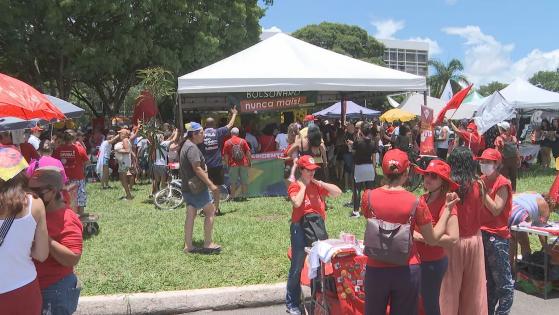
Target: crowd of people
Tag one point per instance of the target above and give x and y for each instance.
(459, 261)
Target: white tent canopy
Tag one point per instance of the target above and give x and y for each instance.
(414, 101)
(523, 95)
(284, 63)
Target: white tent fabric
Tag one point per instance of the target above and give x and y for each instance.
(354, 111)
(413, 105)
(284, 63)
(413, 102)
(523, 95)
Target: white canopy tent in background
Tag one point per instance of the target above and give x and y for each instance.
(284, 63)
(354, 111)
(470, 104)
(524, 96)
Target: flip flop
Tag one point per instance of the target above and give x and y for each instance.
(194, 250)
(210, 250)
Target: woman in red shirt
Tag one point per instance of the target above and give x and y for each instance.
(384, 281)
(307, 196)
(463, 290)
(507, 145)
(434, 262)
(497, 201)
(59, 284)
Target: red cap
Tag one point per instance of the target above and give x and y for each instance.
(491, 155)
(309, 118)
(442, 169)
(307, 162)
(395, 157)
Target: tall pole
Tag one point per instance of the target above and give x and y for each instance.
(343, 110)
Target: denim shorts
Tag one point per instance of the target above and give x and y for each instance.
(61, 297)
(197, 201)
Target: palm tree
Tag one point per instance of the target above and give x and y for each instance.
(443, 73)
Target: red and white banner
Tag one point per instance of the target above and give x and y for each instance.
(427, 144)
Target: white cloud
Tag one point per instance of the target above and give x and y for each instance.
(434, 48)
(387, 28)
(487, 59)
(273, 29)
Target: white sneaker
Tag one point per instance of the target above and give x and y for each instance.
(354, 214)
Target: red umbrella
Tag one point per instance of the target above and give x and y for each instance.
(18, 99)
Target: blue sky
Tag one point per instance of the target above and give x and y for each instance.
(495, 39)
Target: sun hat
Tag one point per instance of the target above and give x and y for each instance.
(46, 176)
(307, 162)
(11, 162)
(309, 118)
(490, 154)
(397, 158)
(193, 126)
(504, 125)
(442, 169)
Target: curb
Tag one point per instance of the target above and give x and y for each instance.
(173, 302)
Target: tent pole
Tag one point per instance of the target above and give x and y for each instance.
(180, 118)
(343, 110)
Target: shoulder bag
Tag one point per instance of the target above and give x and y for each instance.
(195, 184)
(386, 241)
(6, 227)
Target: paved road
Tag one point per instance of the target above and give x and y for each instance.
(523, 305)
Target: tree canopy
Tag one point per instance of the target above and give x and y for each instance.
(93, 49)
(489, 88)
(548, 80)
(444, 72)
(345, 39)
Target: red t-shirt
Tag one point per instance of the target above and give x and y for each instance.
(313, 202)
(436, 207)
(65, 227)
(497, 225)
(73, 157)
(469, 211)
(267, 143)
(395, 206)
(471, 140)
(228, 151)
(28, 151)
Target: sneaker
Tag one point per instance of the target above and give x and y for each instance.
(354, 214)
(293, 311)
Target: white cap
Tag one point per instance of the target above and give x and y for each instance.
(504, 125)
(235, 131)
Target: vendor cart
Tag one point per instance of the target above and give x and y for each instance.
(339, 289)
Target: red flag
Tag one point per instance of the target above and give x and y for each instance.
(145, 107)
(454, 103)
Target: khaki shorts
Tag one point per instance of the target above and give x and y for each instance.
(238, 173)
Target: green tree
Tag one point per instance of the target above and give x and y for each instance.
(344, 39)
(93, 49)
(548, 80)
(443, 73)
(489, 88)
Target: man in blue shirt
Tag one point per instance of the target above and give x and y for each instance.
(211, 148)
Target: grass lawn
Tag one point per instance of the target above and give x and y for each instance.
(139, 248)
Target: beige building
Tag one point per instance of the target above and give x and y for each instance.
(407, 56)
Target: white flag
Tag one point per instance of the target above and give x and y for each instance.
(447, 92)
(494, 110)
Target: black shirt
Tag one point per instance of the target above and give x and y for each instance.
(363, 151)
